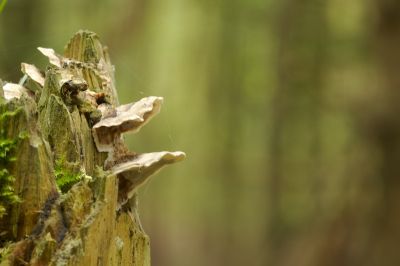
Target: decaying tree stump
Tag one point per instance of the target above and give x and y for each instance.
(75, 177)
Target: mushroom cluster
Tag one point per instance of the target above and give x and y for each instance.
(108, 122)
(133, 170)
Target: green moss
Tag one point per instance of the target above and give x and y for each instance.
(3, 253)
(7, 195)
(64, 179)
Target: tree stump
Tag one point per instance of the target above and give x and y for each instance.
(72, 177)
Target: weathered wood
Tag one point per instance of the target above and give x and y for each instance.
(83, 226)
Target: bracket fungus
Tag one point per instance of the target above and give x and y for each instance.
(53, 57)
(12, 90)
(35, 74)
(128, 118)
(110, 122)
(133, 170)
(137, 171)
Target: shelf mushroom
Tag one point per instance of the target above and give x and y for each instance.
(128, 118)
(12, 90)
(133, 170)
(35, 74)
(137, 171)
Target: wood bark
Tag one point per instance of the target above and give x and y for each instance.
(81, 227)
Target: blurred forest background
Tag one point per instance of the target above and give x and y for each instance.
(288, 111)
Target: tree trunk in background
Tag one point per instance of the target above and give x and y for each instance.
(301, 33)
(366, 229)
(367, 232)
(383, 129)
(81, 227)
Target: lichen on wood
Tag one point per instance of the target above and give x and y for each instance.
(95, 221)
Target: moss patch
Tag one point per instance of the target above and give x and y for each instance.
(7, 195)
(64, 179)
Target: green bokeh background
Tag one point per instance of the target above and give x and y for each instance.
(288, 112)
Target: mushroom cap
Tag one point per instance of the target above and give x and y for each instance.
(35, 74)
(140, 169)
(54, 58)
(129, 119)
(12, 90)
